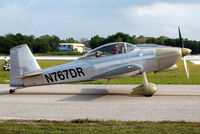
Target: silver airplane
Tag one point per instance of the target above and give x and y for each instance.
(110, 61)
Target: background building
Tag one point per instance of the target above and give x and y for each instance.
(77, 47)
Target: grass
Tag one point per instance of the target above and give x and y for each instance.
(95, 127)
(46, 64)
(174, 77)
(60, 53)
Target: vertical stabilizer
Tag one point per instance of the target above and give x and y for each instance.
(21, 62)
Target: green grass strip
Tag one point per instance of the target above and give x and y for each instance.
(97, 127)
(173, 77)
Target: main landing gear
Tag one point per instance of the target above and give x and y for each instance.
(147, 89)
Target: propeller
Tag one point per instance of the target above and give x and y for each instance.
(180, 37)
(185, 51)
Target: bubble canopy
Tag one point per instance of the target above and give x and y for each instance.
(110, 49)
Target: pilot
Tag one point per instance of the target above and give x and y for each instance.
(98, 54)
(6, 61)
(116, 49)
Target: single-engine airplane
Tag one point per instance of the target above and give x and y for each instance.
(110, 61)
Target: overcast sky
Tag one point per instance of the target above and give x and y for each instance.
(86, 18)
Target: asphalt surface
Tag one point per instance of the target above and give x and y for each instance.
(103, 102)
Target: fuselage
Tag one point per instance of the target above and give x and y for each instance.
(125, 64)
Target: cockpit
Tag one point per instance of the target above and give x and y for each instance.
(109, 50)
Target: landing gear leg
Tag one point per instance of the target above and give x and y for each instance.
(147, 89)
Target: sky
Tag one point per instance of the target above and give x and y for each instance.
(87, 18)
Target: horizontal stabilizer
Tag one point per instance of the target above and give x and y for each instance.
(29, 75)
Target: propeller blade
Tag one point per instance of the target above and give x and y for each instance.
(186, 68)
(180, 38)
(185, 52)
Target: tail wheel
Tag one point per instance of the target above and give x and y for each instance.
(11, 91)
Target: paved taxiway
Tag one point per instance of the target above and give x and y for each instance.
(107, 102)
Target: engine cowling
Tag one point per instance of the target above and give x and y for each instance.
(174, 67)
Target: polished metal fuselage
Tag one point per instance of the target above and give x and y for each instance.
(114, 66)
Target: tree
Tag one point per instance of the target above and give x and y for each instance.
(141, 39)
(96, 41)
(71, 40)
(29, 40)
(170, 42)
(151, 40)
(53, 41)
(193, 45)
(40, 46)
(161, 40)
(47, 43)
(120, 37)
(85, 41)
(4, 45)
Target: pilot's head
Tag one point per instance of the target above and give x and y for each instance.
(98, 54)
(116, 46)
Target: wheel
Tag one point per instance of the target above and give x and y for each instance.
(148, 95)
(11, 91)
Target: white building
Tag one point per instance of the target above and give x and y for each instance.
(78, 47)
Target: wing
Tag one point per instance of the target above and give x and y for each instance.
(119, 72)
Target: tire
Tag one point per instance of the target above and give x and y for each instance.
(11, 91)
(148, 95)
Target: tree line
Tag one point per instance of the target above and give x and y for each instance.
(50, 43)
(162, 40)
